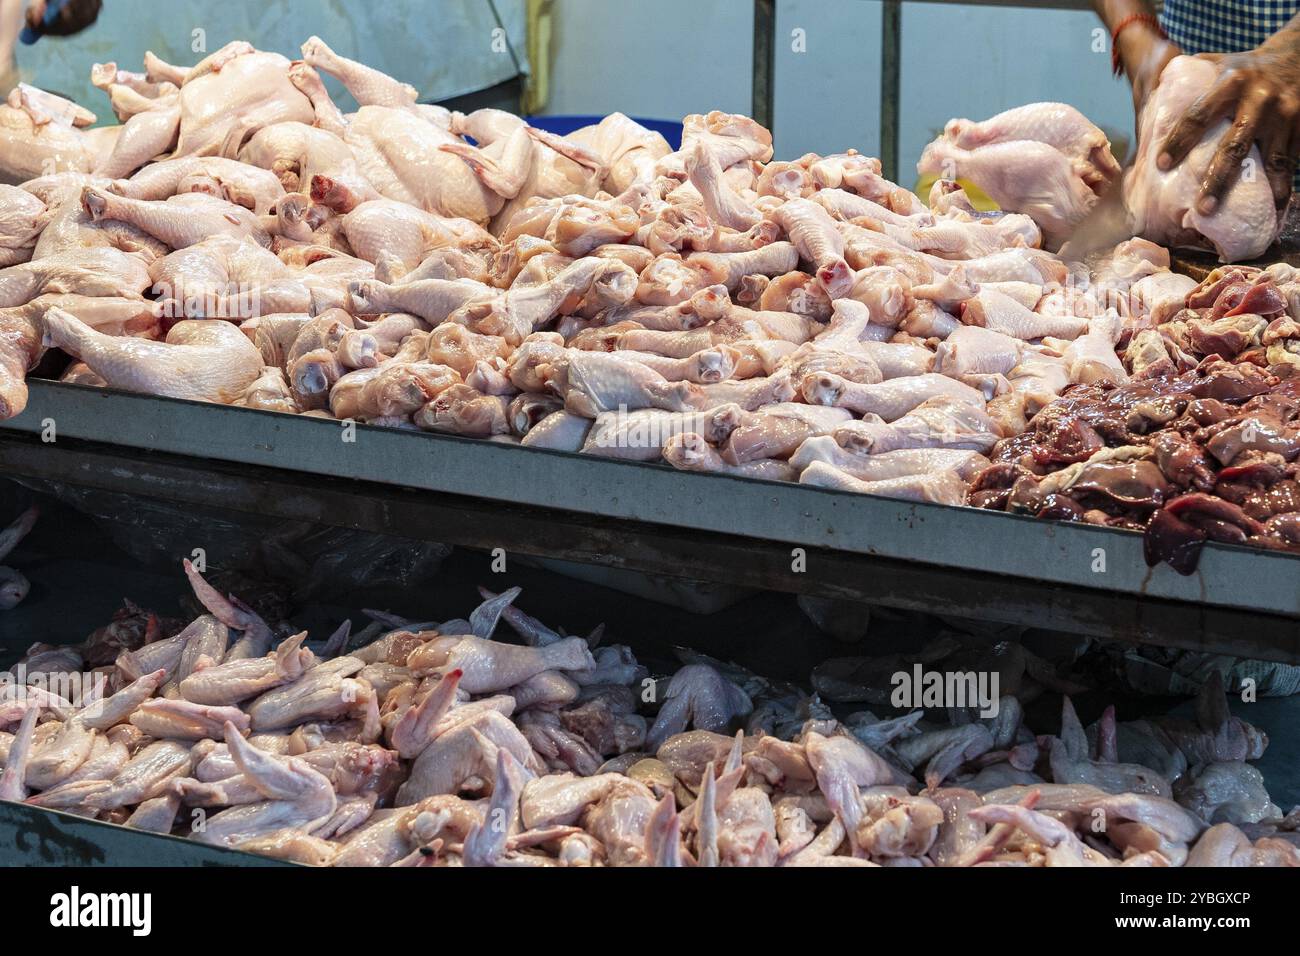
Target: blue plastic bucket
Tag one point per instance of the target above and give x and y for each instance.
(563, 125)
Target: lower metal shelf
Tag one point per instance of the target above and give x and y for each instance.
(944, 560)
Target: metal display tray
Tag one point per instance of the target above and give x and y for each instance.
(649, 517)
(33, 836)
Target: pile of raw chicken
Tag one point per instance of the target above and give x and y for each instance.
(239, 239)
(1201, 444)
(436, 744)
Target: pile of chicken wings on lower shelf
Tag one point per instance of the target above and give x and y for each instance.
(499, 741)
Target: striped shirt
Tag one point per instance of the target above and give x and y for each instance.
(1224, 26)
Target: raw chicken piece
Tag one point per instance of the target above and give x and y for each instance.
(486, 845)
(897, 825)
(148, 774)
(181, 220)
(13, 585)
(235, 680)
(144, 137)
(297, 796)
(777, 430)
(1225, 845)
(644, 434)
(463, 410)
(902, 463)
(84, 272)
(71, 229)
(519, 312)
(619, 821)
(885, 292)
(1161, 295)
(561, 799)
(1032, 178)
(1163, 204)
(628, 150)
(409, 159)
(973, 350)
(732, 138)
(814, 234)
(1058, 843)
(578, 227)
(45, 107)
(890, 400)
(1130, 261)
(225, 105)
(730, 268)
(557, 166)
(664, 835)
(706, 367)
(465, 758)
(367, 85)
(843, 766)
(181, 720)
(1015, 265)
(110, 79)
(750, 394)
(700, 697)
(940, 487)
(29, 149)
(304, 157)
(746, 829)
(968, 240)
(488, 666)
(323, 692)
(431, 299)
(897, 359)
(947, 292)
(385, 227)
(395, 388)
(846, 205)
(936, 423)
(22, 218)
(1227, 792)
(998, 312)
(1216, 734)
(1058, 125)
(237, 182)
(721, 202)
(1143, 823)
(156, 815)
(689, 451)
(225, 277)
(104, 714)
(12, 780)
(202, 361)
(1071, 763)
(1091, 357)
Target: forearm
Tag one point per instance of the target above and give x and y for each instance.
(1114, 12)
(1140, 49)
(1287, 38)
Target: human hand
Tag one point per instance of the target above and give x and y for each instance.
(1260, 91)
(71, 16)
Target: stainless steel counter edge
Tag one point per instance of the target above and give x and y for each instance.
(34, 836)
(1055, 552)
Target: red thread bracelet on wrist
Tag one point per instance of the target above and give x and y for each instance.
(1148, 19)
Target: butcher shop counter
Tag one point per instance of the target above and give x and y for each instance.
(651, 518)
